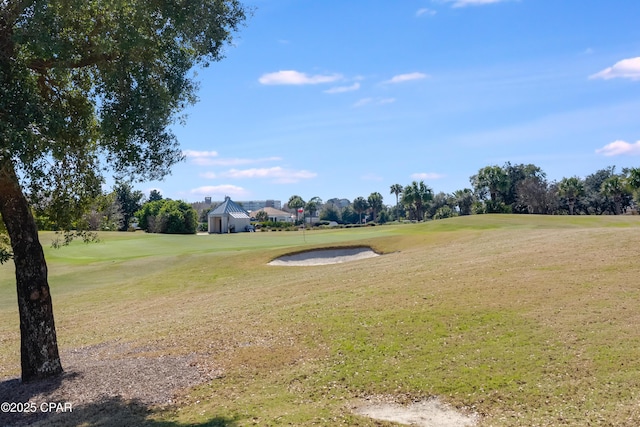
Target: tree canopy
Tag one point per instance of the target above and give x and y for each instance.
(375, 204)
(103, 82)
(130, 202)
(415, 196)
(94, 92)
(168, 216)
(511, 188)
(360, 205)
(296, 202)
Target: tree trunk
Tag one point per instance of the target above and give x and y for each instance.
(38, 342)
(618, 204)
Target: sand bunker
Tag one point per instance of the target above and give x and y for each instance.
(428, 413)
(325, 256)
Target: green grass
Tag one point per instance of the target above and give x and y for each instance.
(527, 320)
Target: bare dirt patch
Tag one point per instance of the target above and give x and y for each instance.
(324, 256)
(103, 377)
(426, 413)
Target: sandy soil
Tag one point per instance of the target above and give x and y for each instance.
(427, 413)
(324, 257)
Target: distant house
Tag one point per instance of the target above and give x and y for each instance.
(229, 217)
(275, 215)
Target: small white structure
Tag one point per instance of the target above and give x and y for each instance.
(228, 217)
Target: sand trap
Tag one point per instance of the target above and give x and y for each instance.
(428, 413)
(324, 256)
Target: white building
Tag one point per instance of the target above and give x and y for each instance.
(275, 215)
(228, 217)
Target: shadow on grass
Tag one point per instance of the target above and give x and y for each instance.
(108, 411)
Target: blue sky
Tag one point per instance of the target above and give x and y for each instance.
(341, 98)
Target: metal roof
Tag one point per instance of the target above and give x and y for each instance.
(239, 215)
(229, 207)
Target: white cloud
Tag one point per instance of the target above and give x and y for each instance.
(220, 191)
(208, 175)
(425, 11)
(465, 3)
(401, 78)
(342, 89)
(292, 77)
(236, 161)
(373, 101)
(202, 158)
(193, 154)
(229, 161)
(618, 148)
(426, 175)
(277, 174)
(627, 68)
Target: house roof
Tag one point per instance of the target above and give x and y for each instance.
(272, 212)
(238, 215)
(229, 207)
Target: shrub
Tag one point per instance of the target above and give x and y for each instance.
(168, 216)
(444, 212)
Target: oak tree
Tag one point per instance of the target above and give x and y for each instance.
(89, 87)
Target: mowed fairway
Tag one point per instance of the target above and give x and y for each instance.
(524, 320)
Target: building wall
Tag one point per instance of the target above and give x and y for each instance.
(223, 223)
(280, 218)
(217, 224)
(240, 224)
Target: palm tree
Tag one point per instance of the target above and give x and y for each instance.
(633, 182)
(614, 187)
(416, 196)
(633, 178)
(571, 189)
(360, 205)
(464, 200)
(397, 189)
(295, 202)
(408, 196)
(312, 207)
(375, 203)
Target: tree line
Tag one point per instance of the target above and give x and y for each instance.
(510, 188)
(519, 188)
(525, 189)
(126, 209)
